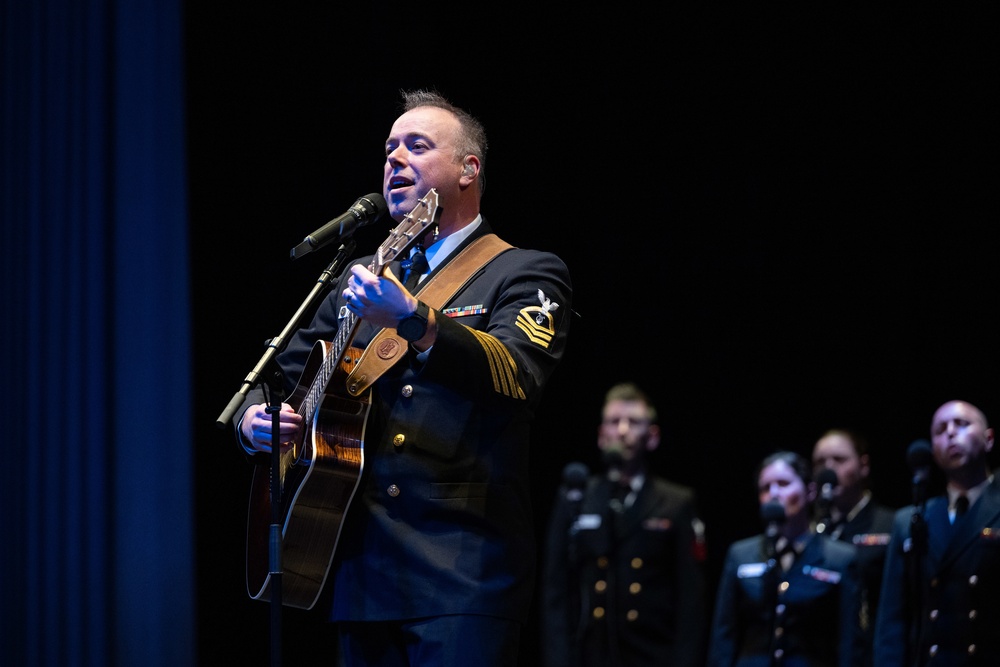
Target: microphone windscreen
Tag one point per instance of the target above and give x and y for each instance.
(772, 512)
(919, 454)
(826, 476)
(374, 206)
(575, 475)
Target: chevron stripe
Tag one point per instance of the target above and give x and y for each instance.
(536, 333)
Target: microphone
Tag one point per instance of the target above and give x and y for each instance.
(827, 481)
(614, 459)
(919, 457)
(364, 211)
(575, 478)
(772, 513)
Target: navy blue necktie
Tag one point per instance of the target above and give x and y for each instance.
(961, 506)
(415, 266)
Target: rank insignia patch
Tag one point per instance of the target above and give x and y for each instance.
(536, 321)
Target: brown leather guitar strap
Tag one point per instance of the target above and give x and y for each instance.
(387, 348)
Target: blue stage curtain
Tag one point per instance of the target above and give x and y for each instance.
(96, 555)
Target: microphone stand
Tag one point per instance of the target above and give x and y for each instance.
(918, 538)
(825, 506)
(577, 602)
(771, 578)
(275, 385)
(773, 514)
(615, 508)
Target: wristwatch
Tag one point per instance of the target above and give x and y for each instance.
(413, 327)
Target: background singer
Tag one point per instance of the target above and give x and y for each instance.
(624, 580)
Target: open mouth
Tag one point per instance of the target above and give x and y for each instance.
(399, 182)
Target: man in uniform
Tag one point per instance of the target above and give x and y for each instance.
(623, 580)
(940, 602)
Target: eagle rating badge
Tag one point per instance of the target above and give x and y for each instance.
(536, 321)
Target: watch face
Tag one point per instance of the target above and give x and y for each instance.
(413, 327)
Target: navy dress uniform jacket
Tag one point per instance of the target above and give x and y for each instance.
(805, 617)
(869, 531)
(625, 588)
(958, 600)
(441, 521)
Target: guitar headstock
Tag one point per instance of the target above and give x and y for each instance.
(406, 233)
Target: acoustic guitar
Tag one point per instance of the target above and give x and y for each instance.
(320, 473)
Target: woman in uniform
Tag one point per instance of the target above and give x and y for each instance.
(787, 597)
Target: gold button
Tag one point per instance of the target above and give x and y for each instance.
(780, 609)
(783, 587)
(393, 490)
(933, 650)
(972, 649)
(973, 580)
(972, 614)
(779, 653)
(636, 563)
(779, 631)
(598, 612)
(398, 440)
(632, 615)
(602, 562)
(635, 588)
(600, 586)
(407, 390)
(934, 614)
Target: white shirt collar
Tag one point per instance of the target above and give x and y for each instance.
(439, 250)
(972, 494)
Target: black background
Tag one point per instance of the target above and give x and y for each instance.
(778, 220)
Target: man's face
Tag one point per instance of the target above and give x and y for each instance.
(835, 451)
(960, 436)
(625, 427)
(421, 153)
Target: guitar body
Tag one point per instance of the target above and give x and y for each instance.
(319, 477)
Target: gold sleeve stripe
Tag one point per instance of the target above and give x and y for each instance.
(502, 366)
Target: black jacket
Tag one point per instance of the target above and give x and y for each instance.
(625, 589)
(957, 600)
(809, 613)
(869, 531)
(441, 520)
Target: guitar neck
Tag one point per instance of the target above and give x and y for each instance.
(403, 237)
